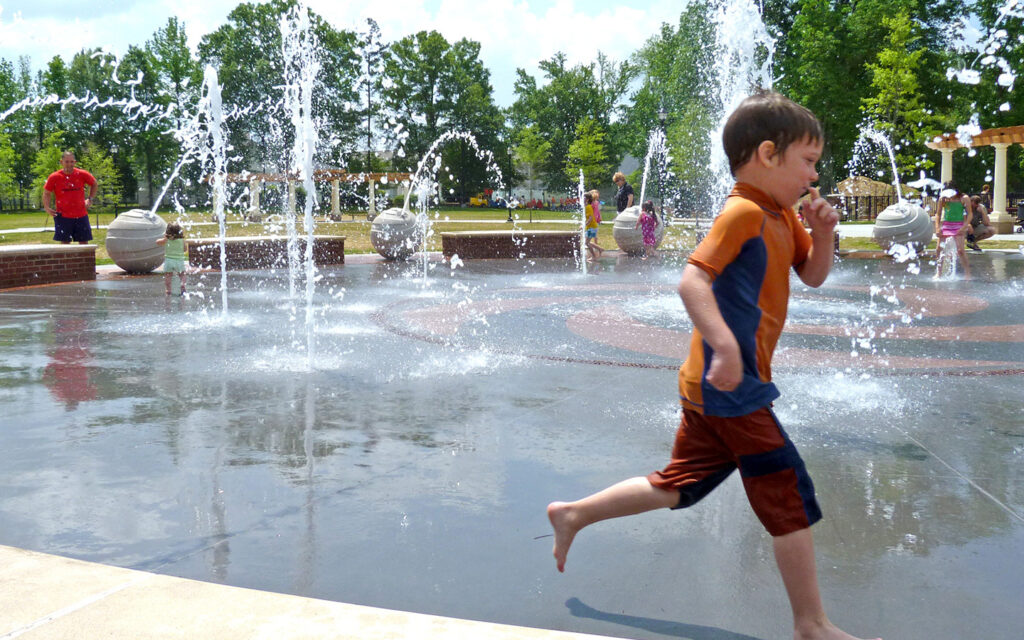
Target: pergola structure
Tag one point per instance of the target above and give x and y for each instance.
(1000, 138)
(334, 176)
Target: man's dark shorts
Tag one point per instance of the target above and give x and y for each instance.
(71, 229)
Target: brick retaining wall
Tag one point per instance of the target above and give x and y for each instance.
(23, 265)
(511, 244)
(263, 252)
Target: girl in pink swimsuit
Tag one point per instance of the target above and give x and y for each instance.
(648, 224)
(952, 218)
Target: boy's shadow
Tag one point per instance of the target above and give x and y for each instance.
(664, 627)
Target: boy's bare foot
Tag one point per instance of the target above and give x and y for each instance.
(562, 521)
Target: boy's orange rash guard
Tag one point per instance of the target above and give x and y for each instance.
(748, 253)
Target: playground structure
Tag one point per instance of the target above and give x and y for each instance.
(334, 176)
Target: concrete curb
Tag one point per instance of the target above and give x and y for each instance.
(49, 597)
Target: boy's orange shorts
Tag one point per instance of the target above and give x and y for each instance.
(708, 448)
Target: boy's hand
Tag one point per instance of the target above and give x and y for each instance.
(726, 371)
(819, 213)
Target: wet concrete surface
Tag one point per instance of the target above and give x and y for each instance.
(399, 450)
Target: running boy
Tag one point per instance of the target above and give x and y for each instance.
(736, 288)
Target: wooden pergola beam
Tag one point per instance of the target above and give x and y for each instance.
(319, 175)
(987, 137)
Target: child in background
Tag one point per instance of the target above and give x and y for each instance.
(593, 249)
(174, 255)
(952, 220)
(648, 223)
(595, 195)
(736, 289)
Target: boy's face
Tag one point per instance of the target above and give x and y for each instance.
(795, 171)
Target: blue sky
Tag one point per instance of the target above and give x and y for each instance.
(512, 33)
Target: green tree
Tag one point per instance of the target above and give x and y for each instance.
(46, 161)
(532, 153)
(100, 164)
(51, 81)
(8, 182)
(825, 63)
(247, 51)
(150, 147)
(174, 68)
(569, 96)
(821, 60)
(19, 126)
(674, 74)
(895, 108)
(373, 51)
(414, 92)
(170, 78)
(435, 86)
(587, 153)
(467, 89)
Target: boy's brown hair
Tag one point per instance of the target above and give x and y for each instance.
(174, 231)
(767, 115)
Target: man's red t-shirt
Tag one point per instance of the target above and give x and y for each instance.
(69, 191)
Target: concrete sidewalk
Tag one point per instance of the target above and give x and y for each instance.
(47, 597)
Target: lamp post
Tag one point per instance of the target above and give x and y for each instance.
(662, 118)
(508, 179)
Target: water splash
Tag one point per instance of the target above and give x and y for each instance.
(302, 65)
(657, 151)
(947, 262)
(583, 224)
(213, 158)
(744, 52)
(870, 137)
(424, 182)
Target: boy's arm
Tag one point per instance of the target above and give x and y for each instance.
(162, 240)
(822, 219)
(726, 371)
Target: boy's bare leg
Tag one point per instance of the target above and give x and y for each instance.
(626, 498)
(167, 283)
(794, 554)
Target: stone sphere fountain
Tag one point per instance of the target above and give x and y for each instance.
(395, 233)
(131, 241)
(628, 236)
(903, 223)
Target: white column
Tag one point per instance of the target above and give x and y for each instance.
(1000, 219)
(291, 197)
(254, 198)
(372, 212)
(336, 198)
(946, 173)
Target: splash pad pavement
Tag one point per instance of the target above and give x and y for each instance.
(400, 450)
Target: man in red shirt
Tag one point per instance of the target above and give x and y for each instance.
(71, 214)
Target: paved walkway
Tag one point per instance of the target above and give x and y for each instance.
(47, 597)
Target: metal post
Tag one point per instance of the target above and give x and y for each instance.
(662, 118)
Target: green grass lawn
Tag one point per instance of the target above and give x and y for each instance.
(356, 229)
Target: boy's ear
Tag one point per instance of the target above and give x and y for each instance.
(765, 153)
